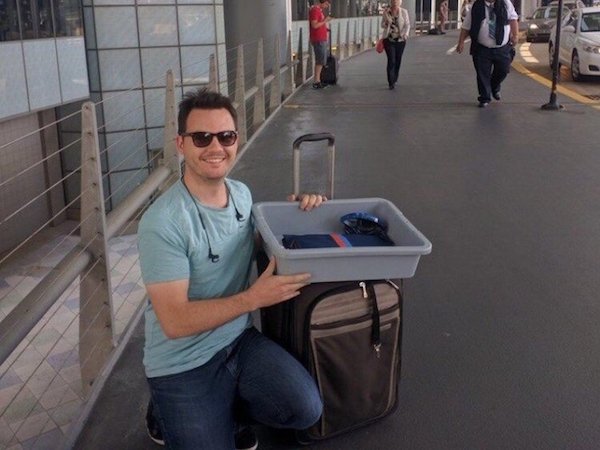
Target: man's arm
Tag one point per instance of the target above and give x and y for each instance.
(180, 317)
(314, 19)
(461, 40)
(318, 24)
(514, 32)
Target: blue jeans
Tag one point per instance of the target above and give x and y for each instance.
(253, 378)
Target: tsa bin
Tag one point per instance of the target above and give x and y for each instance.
(274, 219)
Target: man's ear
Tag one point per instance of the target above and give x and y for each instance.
(179, 143)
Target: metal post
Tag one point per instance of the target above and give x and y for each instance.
(299, 75)
(95, 292)
(553, 104)
(288, 84)
(348, 46)
(310, 66)
(259, 97)
(364, 34)
(275, 99)
(338, 50)
(356, 36)
(240, 96)
(421, 12)
(213, 77)
(170, 157)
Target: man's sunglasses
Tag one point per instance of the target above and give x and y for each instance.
(204, 138)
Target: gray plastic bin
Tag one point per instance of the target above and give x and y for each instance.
(274, 219)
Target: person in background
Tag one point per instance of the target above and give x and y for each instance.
(443, 16)
(464, 9)
(318, 38)
(209, 370)
(493, 28)
(396, 23)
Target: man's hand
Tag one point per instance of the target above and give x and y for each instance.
(308, 201)
(270, 289)
(460, 47)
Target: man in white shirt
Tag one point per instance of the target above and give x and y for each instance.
(493, 28)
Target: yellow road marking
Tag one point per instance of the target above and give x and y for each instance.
(561, 89)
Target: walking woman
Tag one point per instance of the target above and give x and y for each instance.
(397, 25)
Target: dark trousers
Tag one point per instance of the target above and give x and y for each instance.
(394, 51)
(492, 65)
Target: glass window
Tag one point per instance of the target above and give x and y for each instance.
(340, 8)
(67, 18)
(36, 19)
(590, 22)
(9, 21)
(552, 13)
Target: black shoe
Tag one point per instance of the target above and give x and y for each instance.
(153, 427)
(318, 85)
(496, 95)
(483, 104)
(391, 87)
(246, 439)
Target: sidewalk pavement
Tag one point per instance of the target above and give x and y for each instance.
(501, 320)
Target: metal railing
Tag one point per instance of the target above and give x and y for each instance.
(109, 303)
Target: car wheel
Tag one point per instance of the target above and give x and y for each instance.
(575, 69)
(529, 38)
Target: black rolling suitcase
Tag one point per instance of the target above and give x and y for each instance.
(329, 73)
(347, 334)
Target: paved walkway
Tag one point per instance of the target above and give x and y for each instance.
(501, 321)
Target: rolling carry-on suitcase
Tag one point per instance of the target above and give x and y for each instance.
(329, 72)
(347, 334)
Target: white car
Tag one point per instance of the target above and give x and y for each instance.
(579, 43)
(571, 4)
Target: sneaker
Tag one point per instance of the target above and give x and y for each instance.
(246, 439)
(153, 427)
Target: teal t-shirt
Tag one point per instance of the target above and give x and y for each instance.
(173, 246)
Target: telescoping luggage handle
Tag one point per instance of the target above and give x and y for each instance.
(314, 137)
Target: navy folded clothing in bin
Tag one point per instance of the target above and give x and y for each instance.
(276, 219)
(297, 241)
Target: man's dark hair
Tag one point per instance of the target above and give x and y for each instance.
(202, 99)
